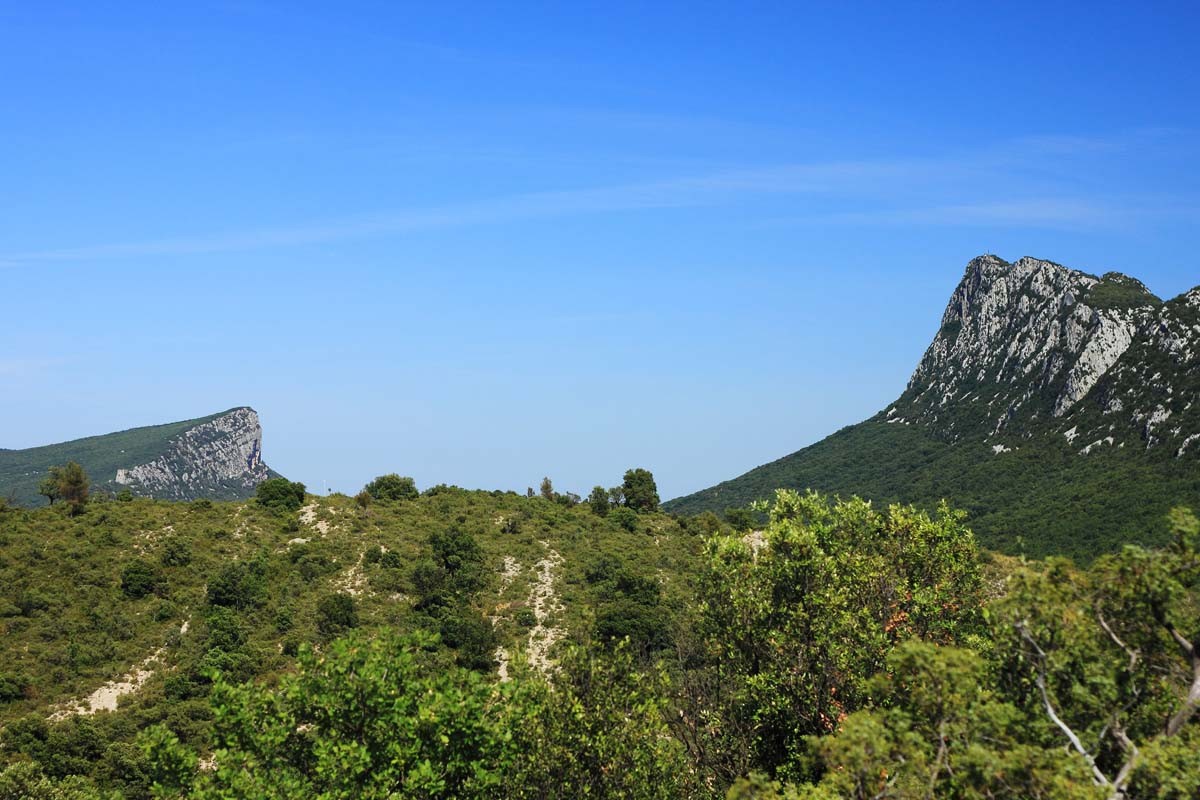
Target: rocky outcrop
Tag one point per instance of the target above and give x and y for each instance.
(1031, 347)
(219, 457)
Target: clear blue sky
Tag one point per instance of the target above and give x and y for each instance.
(480, 244)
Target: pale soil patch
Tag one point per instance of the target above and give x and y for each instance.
(354, 582)
(105, 698)
(756, 541)
(545, 604)
(144, 540)
(509, 571)
(308, 516)
(242, 525)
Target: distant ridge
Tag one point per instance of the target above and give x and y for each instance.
(1059, 408)
(218, 456)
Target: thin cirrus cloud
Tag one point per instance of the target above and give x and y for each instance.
(915, 191)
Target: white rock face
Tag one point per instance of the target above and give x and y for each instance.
(223, 452)
(1023, 344)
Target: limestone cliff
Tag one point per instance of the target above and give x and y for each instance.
(1033, 348)
(218, 456)
(1058, 408)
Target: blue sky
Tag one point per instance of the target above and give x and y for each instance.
(483, 243)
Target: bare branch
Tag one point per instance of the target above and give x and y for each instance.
(1097, 776)
(1131, 757)
(1133, 654)
(1190, 702)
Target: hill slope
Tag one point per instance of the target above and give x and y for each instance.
(1055, 406)
(218, 457)
(127, 607)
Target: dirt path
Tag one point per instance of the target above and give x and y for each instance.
(105, 698)
(509, 571)
(545, 604)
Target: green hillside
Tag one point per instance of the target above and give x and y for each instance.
(180, 589)
(1056, 407)
(1040, 498)
(468, 644)
(101, 456)
(22, 470)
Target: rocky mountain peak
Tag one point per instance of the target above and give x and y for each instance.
(1027, 344)
(223, 452)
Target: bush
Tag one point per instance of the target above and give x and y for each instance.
(336, 613)
(473, 636)
(238, 585)
(280, 494)
(625, 518)
(392, 487)
(741, 519)
(176, 553)
(12, 687)
(141, 578)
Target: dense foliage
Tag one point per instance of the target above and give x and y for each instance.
(21, 471)
(1040, 499)
(392, 487)
(280, 494)
(68, 483)
(843, 651)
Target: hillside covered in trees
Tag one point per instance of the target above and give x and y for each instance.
(1058, 408)
(454, 643)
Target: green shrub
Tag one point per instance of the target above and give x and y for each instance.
(392, 487)
(625, 518)
(280, 494)
(12, 687)
(237, 585)
(177, 552)
(336, 613)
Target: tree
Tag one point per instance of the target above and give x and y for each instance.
(793, 632)
(69, 483)
(363, 500)
(598, 500)
(369, 718)
(239, 585)
(140, 578)
(547, 489)
(49, 487)
(740, 519)
(1108, 660)
(392, 487)
(640, 491)
(336, 613)
(280, 494)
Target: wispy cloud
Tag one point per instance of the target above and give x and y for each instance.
(1023, 213)
(898, 191)
(674, 193)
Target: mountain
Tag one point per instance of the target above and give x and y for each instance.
(1057, 407)
(217, 457)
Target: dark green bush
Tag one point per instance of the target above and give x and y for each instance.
(238, 585)
(280, 494)
(624, 517)
(392, 487)
(336, 613)
(177, 552)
